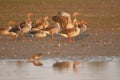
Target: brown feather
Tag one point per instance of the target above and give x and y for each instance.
(48, 28)
(38, 25)
(66, 31)
(2, 29)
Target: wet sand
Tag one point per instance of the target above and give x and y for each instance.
(89, 45)
(101, 39)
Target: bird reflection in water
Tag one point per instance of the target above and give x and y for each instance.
(62, 66)
(20, 63)
(37, 63)
(66, 66)
(35, 59)
(75, 67)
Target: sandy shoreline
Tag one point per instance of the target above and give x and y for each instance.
(86, 45)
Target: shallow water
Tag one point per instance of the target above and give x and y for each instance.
(56, 69)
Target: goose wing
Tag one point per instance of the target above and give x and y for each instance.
(66, 31)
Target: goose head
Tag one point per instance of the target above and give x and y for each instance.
(30, 14)
(76, 14)
(11, 23)
(56, 19)
(65, 14)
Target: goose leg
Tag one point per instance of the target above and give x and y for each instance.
(52, 37)
(71, 39)
(23, 37)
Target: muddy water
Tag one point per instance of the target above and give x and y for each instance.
(51, 69)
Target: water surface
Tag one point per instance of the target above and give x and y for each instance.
(51, 69)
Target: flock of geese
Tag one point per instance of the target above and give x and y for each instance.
(66, 25)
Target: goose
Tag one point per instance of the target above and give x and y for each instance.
(27, 25)
(52, 30)
(63, 21)
(65, 14)
(20, 27)
(81, 23)
(38, 25)
(5, 31)
(15, 31)
(38, 33)
(41, 24)
(22, 24)
(71, 33)
(71, 23)
(46, 23)
(26, 28)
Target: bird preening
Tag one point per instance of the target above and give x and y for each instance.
(64, 24)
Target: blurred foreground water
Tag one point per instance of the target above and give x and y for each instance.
(92, 68)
